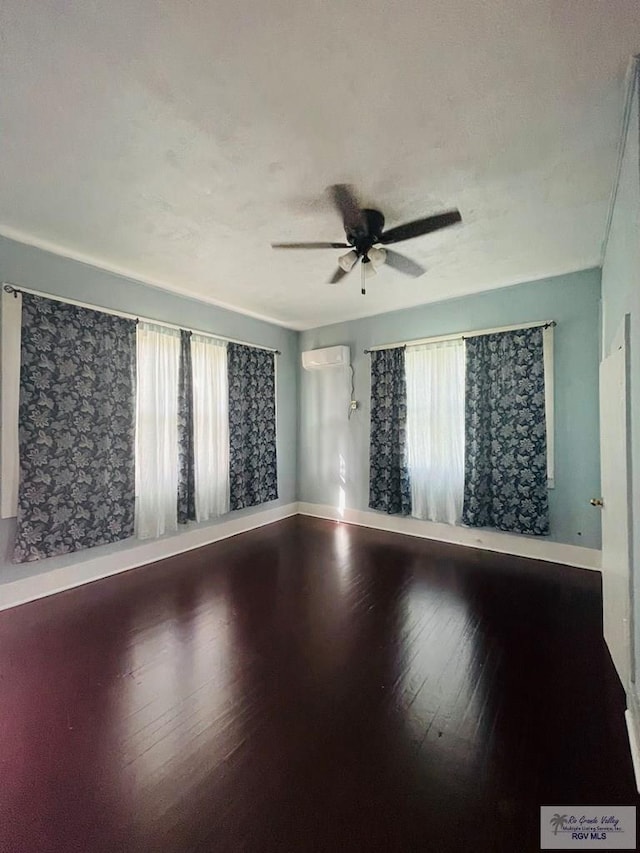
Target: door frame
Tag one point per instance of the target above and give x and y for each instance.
(622, 340)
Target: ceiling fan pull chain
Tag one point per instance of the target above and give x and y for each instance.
(363, 289)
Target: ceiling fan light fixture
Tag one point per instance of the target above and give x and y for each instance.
(346, 262)
(377, 256)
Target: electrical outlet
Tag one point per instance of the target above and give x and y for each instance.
(353, 405)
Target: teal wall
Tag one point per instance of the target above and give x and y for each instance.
(620, 296)
(573, 301)
(33, 268)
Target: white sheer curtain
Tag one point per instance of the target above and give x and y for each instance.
(435, 429)
(210, 426)
(157, 430)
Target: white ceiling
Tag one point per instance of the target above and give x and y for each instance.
(173, 141)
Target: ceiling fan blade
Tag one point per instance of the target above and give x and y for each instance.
(403, 264)
(420, 227)
(339, 274)
(310, 246)
(349, 207)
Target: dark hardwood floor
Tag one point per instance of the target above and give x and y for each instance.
(309, 687)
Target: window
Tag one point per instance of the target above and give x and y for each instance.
(435, 377)
(158, 358)
(435, 429)
(158, 362)
(210, 426)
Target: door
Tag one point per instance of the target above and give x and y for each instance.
(615, 507)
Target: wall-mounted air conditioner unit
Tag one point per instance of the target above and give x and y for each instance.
(316, 359)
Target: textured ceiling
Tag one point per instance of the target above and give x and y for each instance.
(173, 141)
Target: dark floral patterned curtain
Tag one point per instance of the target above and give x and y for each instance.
(253, 474)
(505, 433)
(389, 484)
(186, 465)
(77, 422)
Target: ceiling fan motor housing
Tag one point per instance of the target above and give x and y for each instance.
(363, 238)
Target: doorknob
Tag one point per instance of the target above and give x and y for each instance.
(596, 502)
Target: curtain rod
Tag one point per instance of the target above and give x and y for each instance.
(462, 336)
(12, 288)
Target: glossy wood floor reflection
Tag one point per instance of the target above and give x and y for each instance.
(309, 687)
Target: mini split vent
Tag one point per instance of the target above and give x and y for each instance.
(317, 359)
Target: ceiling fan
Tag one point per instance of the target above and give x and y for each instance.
(364, 229)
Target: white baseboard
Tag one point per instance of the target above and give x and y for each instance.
(488, 540)
(139, 554)
(632, 718)
(121, 559)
